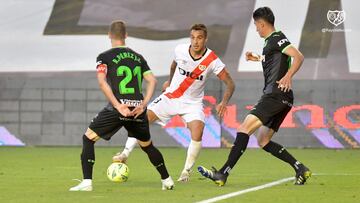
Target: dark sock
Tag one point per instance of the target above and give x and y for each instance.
(237, 150)
(87, 157)
(157, 160)
(280, 152)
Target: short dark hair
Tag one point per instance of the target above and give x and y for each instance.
(264, 13)
(199, 27)
(118, 29)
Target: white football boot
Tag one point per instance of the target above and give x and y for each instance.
(167, 184)
(85, 185)
(120, 157)
(184, 176)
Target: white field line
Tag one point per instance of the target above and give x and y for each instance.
(252, 189)
(267, 185)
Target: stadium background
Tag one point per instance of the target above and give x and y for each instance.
(49, 91)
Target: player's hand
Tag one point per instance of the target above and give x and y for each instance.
(221, 110)
(124, 110)
(137, 111)
(285, 83)
(165, 85)
(250, 56)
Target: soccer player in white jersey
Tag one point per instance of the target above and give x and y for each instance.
(183, 93)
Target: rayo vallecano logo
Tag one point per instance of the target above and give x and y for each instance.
(336, 17)
(202, 67)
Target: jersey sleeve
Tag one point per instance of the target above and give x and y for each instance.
(218, 66)
(101, 65)
(176, 52)
(281, 43)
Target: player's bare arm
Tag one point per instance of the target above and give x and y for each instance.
(251, 56)
(150, 89)
(285, 83)
(106, 89)
(230, 87)
(172, 71)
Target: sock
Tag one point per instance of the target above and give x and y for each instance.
(237, 150)
(192, 153)
(87, 181)
(157, 160)
(87, 157)
(129, 146)
(281, 153)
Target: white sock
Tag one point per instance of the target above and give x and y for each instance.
(129, 146)
(87, 181)
(192, 154)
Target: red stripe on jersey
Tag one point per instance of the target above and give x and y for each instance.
(101, 68)
(188, 81)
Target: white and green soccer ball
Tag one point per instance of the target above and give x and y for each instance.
(118, 172)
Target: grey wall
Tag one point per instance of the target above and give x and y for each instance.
(56, 108)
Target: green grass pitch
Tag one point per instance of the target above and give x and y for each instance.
(44, 174)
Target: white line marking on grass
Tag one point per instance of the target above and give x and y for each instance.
(252, 189)
(336, 174)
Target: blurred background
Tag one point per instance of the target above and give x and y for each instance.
(49, 92)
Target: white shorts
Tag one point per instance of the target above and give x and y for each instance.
(165, 108)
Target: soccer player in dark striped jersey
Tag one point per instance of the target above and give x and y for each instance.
(272, 108)
(120, 72)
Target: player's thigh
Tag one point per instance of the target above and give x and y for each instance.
(104, 125)
(152, 117)
(162, 108)
(264, 135)
(139, 129)
(279, 118)
(267, 108)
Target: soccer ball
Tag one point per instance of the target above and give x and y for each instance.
(118, 172)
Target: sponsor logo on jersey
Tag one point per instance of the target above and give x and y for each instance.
(191, 74)
(281, 42)
(131, 102)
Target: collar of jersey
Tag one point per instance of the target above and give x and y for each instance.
(206, 49)
(124, 46)
(271, 34)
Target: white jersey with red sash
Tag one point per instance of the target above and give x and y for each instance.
(189, 78)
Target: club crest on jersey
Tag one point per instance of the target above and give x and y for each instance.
(202, 67)
(191, 74)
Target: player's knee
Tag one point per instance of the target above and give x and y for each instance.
(244, 129)
(86, 139)
(262, 142)
(196, 136)
(91, 135)
(146, 146)
(196, 128)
